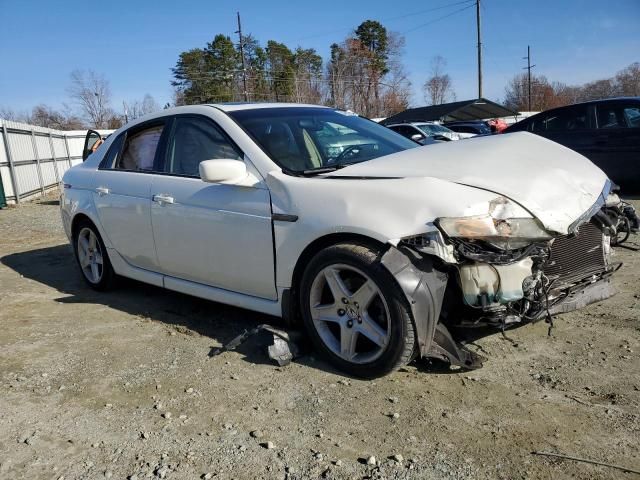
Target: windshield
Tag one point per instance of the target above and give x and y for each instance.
(433, 129)
(301, 139)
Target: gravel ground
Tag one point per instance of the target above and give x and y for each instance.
(119, 385)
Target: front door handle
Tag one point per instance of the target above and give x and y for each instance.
(160, 198)
(102, 191)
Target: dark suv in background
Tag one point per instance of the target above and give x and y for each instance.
(607, 132)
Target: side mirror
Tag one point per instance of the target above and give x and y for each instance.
(225, 171)
(416, 137)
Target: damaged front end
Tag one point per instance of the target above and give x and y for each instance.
(501, 268)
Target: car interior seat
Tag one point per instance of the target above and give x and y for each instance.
(278, 139)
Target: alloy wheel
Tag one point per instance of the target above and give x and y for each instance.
(90, 255)
(350, 313)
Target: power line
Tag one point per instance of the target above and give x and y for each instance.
(389, 19)
(426, 11)
(438, 19)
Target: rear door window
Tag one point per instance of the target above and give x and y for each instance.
(574, 118)
(140, 150)
(112, 156)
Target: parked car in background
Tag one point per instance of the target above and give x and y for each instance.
(469, 129)
(424, 133)
(607, 132)
(375, 245)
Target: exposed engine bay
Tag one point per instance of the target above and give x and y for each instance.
(489, 286)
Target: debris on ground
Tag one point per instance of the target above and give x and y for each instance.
(283, 349)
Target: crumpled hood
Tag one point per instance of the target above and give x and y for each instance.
(554, 183)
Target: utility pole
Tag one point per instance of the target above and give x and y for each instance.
(126, 116)
(479, 49)
(244, 70)
(528, 68)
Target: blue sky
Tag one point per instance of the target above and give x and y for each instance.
(135, 43)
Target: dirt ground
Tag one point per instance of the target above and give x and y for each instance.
(119, 385)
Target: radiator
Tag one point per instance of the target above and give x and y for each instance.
(574, 258)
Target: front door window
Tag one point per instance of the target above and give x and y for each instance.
(195, 140)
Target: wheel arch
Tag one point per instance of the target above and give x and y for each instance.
(290, 298)
(421, 281)
(87, 216)
(77, 220)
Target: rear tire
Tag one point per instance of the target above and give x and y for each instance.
(92, 258)
(354, 311)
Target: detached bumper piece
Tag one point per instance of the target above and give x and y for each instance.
(444, 347)
(283, 350)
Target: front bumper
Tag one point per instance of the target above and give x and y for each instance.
(580, 296)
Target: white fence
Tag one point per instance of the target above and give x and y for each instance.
(33, 159)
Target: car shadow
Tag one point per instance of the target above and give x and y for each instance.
(56, 268)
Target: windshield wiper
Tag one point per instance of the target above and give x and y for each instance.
(320, 170)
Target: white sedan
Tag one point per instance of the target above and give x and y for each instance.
(377, 246)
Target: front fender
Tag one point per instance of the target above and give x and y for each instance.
(424, 287)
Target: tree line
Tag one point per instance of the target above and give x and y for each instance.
(364, 72)
(547, 94)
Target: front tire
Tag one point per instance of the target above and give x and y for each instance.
(354, 311)
(92, 258)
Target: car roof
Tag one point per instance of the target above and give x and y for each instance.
(589, 102)
(235, 106)
(225, 107)
(600, 100)
(412, 124)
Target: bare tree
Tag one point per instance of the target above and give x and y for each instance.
(438, 88)
(397, 91)
(10, 114)
(544, 94)
(628, 80)
(44, 116)
(91, 92)
(356, 82)
(139, 108)
(605, 88)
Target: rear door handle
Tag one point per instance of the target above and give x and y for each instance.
(602, 139)
(160, 198)
(102, 191)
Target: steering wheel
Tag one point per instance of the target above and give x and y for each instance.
(349, 150)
